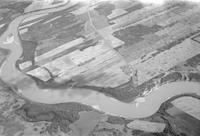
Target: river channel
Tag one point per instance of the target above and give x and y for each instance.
(28, 88)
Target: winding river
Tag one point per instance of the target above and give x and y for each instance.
(27, 87)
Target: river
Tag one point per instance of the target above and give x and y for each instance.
(27, 87)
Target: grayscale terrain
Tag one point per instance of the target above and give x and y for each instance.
(99, 68)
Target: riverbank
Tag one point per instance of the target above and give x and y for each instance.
(128, 93)
(116, 120)
(9, 11)
(56, 118)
